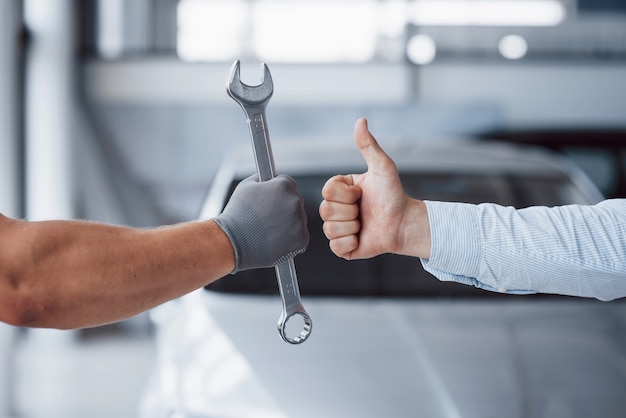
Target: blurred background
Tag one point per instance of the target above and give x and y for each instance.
(116, 111)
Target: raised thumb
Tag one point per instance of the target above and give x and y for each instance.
(373, 154)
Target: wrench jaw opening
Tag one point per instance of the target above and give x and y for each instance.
(286, 332)
(250, 95)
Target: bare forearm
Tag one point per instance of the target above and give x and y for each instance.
(75, 274)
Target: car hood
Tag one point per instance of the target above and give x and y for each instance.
(221, 355)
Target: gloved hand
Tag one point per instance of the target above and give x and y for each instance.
(265, 222)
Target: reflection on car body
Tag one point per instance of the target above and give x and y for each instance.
(389, 339)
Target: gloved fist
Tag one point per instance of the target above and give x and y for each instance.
(265, 222)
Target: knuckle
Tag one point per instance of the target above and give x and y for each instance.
(327, 228)
(353, 213)
(327, 189)
(332, 187)
(324, 210)
(343, 246)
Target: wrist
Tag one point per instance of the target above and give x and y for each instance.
(414, 231)
(221, 246)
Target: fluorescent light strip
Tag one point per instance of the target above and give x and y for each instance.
(487, 13)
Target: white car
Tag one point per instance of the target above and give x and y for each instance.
(388, 339)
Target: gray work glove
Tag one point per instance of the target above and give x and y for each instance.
(265, 222)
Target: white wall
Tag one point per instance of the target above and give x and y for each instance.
(528, 92)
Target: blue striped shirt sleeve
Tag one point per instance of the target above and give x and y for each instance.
(572, 250)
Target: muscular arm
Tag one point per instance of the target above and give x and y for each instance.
(69, 274)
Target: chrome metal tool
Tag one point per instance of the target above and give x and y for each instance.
(253, 100)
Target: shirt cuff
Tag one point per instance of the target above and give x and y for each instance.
(456, 242)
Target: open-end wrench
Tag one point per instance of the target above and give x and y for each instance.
(253, 100)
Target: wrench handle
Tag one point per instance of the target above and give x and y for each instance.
(263, 156)
(292, 305)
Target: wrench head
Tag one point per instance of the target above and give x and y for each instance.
(249, 95)
(288, 335)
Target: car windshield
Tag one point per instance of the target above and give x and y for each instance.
(321, 273)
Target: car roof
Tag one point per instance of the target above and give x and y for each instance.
(467, 156)
(463, 156)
